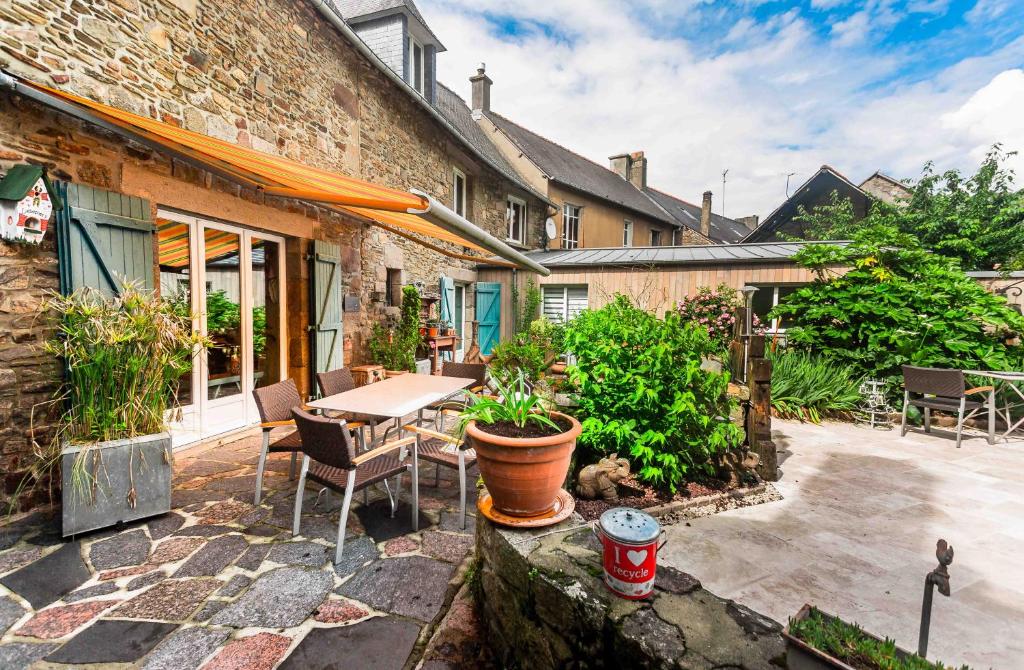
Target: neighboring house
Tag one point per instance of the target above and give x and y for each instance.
(818, 190)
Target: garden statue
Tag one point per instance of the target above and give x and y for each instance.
(736, 466)
(602, 478)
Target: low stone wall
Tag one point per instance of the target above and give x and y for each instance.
(542, 599)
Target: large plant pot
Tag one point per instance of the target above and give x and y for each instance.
(802, 656)
(140, 463)
(523, 475)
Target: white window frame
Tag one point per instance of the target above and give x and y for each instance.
(576, 218)
(510, 219)
(564, 317)
(412, 62)
(459, 198)
(627, 233)
(774, 328)
(659, 233)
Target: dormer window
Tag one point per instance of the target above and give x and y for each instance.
(417, 66)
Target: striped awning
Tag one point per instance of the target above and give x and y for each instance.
(412, 214)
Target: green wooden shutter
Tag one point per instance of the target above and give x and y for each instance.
(448, 300)
(102, 238)
(326, 301)
(488, 314)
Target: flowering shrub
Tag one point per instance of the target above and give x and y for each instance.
(714, 310)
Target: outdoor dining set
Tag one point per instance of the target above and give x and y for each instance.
(330, 434)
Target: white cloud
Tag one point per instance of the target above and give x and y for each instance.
(773, 98)
(852, 30)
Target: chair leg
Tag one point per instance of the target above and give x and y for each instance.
(343, 520)
(927, 420)
(906, 402)
(992, 416)
(416, 483)
(437, 475)
(291, 468)
(264, 448)
(462, 487)
(960, 423)
(397, 497)
(298, 496)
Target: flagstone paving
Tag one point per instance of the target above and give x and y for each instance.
(219, 583)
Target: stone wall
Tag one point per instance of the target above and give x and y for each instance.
(545, 605)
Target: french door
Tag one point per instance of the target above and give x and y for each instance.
(232, 280)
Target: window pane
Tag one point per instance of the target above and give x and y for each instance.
(783, 292)
(266, 313)
(176, 284)
(764, 300)
(223, 313)
(417, 60)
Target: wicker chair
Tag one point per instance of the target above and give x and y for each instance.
(329, 459)
(944, 390)
(339, 381)
(275, 403)
(475, 371)
(444, 450)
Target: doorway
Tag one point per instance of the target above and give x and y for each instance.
(459, 319)
(232, 280)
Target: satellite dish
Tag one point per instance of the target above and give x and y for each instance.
(549, 228)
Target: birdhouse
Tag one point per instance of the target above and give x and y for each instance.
(27, 201)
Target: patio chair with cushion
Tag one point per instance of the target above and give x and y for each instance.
(943, 390)
(339, 381)
(444, 450)
(475, 371)
(329, 459)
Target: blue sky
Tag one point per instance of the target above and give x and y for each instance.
(761, 88)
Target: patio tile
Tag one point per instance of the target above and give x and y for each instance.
(112, 642)
(60, 621)
(258, 652)
(205, 468)
(163, 526)
(209, 609)
(412, 586)
(15, 558)
(446, 546)
(131, 548)
(214, 557)
(145, 580)
(338, 611)
(401, 545)
(50, 578)
(253, 556)
(224, 512)
(91, 592)
(205, 530)
(376, 519)
(171, 600)
(185, 649)
(358, 552)
(10, 611)
(20, 655)
(175, 549)
(277, 599)
(452, 521)
(234, 586)
(380, 643)
(125, 572)
(298, 553)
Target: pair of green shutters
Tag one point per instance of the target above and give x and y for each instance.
(488, 310)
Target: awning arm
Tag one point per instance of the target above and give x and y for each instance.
(445, 218)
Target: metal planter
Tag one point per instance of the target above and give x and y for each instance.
(131, 480)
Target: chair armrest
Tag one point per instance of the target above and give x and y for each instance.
(268, 425)
(980, 389)
(477, 389)
(430, 433)
(383, 449)
(353, 425)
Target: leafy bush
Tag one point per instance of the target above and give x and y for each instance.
(898, 304)
(515, 405)
(715, 311)
(531, 352)
(807, 387)
(524, 313)
(641, 391)
(395, 347)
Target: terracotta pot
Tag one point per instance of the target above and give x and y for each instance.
(394, 373)
(524, 475)
(432, 332)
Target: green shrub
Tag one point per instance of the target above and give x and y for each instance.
(641, 391)
(531, 352)
(807, 387)
(395, 348)
(898, 304)
(714, 310)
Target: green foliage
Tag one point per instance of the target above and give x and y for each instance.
(515, 404)
(223, 316)
(530, 352)
(848, 643)
(713, 310)
(978, 220)
(395, 347)
(806, 386)
(641, 391)
(898, 304)
(524, 313)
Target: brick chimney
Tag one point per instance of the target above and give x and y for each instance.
(750, 221)
(705, 215)
(481, 90)
(632, 167)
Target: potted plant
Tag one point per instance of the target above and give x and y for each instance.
(819, 641)
(124, 357)
(433, 328)
(522, 448)
(394, 347)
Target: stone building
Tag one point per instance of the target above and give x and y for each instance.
(287, 78)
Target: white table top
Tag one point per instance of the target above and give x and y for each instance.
(1010, 376)
(395, 397)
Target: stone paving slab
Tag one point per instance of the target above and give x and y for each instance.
(380, 643)
(10, 611)
(50, 578)
(214, 557)
(131, 548)
(164, 525)
(20, 655)
(298, 553)
(277, 599)
(185, 649)
(112, 642)
(101, 589)
(58, 622)
(411, 586)
(170, 600)
(257, 652)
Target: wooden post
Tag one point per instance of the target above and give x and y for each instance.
(759, 410)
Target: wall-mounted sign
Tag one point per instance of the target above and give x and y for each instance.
(26, 204)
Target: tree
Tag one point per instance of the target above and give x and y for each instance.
(977, 220)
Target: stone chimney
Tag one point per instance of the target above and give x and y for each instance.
(631, 167)
(750, 221)
(705, 215)
(481, 91)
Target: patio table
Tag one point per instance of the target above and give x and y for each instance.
(396, 397)
(1012, 381)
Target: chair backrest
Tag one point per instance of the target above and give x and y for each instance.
(934, 381)
(478, 371)
(325, 440)
(275, 402)
(335, 381)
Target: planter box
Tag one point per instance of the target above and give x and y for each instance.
(143, 462)
(802, 656)
(423, 366)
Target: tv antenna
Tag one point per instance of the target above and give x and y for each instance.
(788, 175)
(724, 172)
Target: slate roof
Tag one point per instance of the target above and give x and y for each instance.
(569, 168)
(769, 252)
(455, 110)
(353, 10)
(723, 229)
